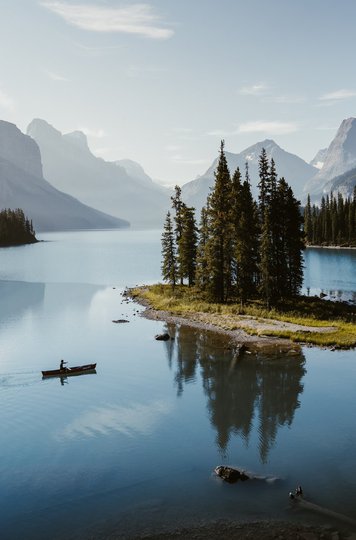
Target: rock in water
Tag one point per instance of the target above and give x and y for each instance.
(162, 337)
(231, 475)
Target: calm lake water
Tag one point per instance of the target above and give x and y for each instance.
(132, 448)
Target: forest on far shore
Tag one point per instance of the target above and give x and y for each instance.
(15, 228)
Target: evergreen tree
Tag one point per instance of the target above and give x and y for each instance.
(187, 246)
(246, 238)
(308, 227)
(169, 260)
(202, 251)
(220, 243)
(263, 185)
(179, 207)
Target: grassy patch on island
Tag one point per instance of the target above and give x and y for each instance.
(309, 319)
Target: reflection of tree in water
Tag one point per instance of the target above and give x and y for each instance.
(185, 346)
(239, 390)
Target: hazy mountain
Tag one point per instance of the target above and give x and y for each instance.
(340, 158)
(344, 184)
(120, 188)
(319, 159)
(295, 170)
(22, 186)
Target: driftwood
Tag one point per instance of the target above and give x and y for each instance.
(306, 505)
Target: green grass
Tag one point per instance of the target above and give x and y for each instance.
(304, 311)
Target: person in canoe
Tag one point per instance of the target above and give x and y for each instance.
(61, 367)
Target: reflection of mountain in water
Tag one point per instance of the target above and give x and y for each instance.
(241, 391)
(19, 296)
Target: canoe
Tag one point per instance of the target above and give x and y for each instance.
(75, 370)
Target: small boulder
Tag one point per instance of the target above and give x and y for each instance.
(162, 337)
(231, 475)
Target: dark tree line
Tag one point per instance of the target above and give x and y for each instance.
(242, 249)
(331, 223)
(15, 228)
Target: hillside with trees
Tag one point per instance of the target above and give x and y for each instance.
(15, 228)
(243, 249)
(332, 223)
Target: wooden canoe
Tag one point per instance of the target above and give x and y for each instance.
(75, 370)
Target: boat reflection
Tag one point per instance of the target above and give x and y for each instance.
(64, 378)
(244, 392)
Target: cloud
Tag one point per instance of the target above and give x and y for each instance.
(138, 19)
(285, 99)
(338, 95)
(273, 128)
(56, 76)
(254, 90)
(6, 102)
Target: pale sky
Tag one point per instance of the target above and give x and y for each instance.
(162, 81)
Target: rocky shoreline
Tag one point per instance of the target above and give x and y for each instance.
(259, 530)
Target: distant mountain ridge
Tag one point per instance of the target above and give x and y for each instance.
(295, 170)
(119, 188)
(22, 185)
(339, 159)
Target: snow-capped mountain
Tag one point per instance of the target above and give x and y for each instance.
(319, 159)
(295, 170)
(340, 158)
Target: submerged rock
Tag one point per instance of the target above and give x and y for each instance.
(231, 475)
(163, 337)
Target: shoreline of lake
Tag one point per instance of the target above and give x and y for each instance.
(244, 530)
(252, 333)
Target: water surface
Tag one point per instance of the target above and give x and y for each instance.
(132, 448)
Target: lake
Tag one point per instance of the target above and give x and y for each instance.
(132, 448)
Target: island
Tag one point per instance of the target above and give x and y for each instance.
(15, 228)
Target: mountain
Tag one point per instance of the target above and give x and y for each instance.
(120, 188)
(22, 185)
(344, 184)
(319, 159)
(295, 170)
(340, 158)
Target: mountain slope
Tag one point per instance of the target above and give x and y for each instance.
(295, 170)
(340, 158)
(319, 159)
(119, 188)
(344, 184)
(22, 186)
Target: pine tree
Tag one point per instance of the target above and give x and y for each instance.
(263, 185)
(246, 238)
(179, 206)
(202, 249)
(169, 261)
(308, 227)
(220, 243)
(187, 247)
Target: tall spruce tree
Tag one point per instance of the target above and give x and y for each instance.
(169, 259)
(263, 184)
(202, 277)
(187, 246)
(220, 243)
(245, 237)
(179, 207)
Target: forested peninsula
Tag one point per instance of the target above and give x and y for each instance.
(15, 228)
(241, 269)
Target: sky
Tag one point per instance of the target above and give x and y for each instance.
(163, 81)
